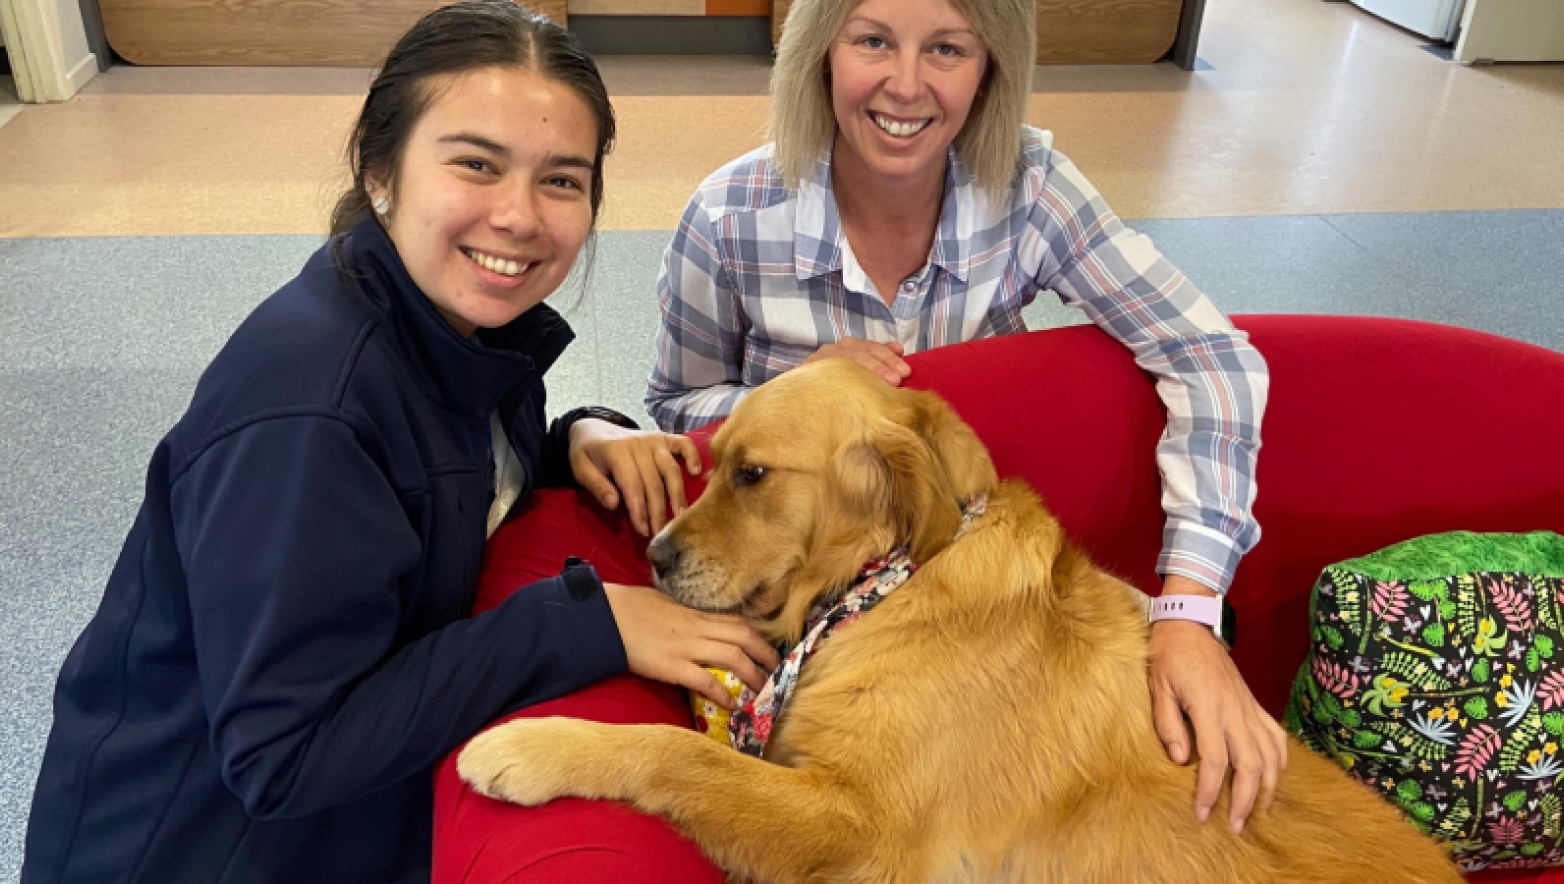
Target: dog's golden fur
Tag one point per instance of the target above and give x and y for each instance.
(989, 721)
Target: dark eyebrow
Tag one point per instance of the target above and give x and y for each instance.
(569, 161)
(477, 141)
(503, 152)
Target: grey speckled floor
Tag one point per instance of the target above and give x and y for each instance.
(101, 342)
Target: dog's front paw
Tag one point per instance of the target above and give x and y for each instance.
(527, 761)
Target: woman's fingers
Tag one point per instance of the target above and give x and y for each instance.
(601, 487)
(736, 661)
(668, 642)
(654, 503)
(644, 471)
(701, 681)
(884, 359)
(688, 451)
(627, 476)
(891, 360)
(672, 479)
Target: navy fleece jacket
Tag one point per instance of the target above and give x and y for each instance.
(284, 651)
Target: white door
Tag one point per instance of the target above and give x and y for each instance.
(1435, 19)
(48, 48)
(1512, 30)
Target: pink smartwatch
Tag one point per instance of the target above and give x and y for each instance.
(1213, 612)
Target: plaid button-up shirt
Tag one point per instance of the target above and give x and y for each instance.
(757, 278)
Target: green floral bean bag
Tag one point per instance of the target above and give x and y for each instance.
(1436, 676)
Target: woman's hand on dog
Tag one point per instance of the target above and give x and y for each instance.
(882, 359)
(1192, 674)
(669, 642)
(642, 468)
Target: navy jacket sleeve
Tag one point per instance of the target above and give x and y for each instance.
(293, 541)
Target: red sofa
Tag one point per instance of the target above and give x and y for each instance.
(1377, 431)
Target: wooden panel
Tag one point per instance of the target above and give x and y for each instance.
(778, 16)
(324, 33)
(637, 7)
(1086, 31)
(1105, 31)
(738, 7)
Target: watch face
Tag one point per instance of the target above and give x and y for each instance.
(1229, 624)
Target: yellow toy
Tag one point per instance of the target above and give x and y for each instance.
(711, 719)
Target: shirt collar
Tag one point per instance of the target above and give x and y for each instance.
(469, 375)
(817, 226)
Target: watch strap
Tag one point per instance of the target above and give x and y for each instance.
(1199, 608)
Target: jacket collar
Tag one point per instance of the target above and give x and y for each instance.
(467, 375)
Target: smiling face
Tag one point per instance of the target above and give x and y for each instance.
(492, 200)
(904, 75)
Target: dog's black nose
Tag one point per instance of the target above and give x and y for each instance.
(664, 554)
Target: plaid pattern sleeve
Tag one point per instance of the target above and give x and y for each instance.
(1213, 382)
(697, 377)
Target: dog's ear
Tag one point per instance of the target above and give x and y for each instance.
(892, 470)
(919, 463)
(963, 460)
(865, 475)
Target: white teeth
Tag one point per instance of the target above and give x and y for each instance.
(498, 265)
(901, 130)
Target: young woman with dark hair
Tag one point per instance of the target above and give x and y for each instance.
(284, 649)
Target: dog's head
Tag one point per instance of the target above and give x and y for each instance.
(815, 473)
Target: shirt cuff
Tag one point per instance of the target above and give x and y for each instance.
(1208, 557)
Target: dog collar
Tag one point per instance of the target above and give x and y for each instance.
(750, 725)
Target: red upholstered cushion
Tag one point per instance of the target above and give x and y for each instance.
(479, 840)
(1377, 431)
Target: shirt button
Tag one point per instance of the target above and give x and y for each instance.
(908, 286)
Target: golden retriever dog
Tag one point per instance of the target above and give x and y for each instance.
(989, 721)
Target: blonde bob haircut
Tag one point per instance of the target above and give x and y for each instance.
(803, 122)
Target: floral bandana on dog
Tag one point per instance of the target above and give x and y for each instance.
(750, 726)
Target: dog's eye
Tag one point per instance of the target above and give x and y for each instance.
(748, 475)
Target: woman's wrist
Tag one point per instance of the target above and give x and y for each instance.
(1178, 584)
(583, 424)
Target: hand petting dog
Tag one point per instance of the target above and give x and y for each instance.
(668, 642)
(1192, 675)
(885, 360)
(642, 468)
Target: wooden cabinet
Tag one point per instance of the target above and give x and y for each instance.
(1086, 31)
(304, 33)
(360, 32)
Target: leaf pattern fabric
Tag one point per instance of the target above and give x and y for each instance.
(1436, 677)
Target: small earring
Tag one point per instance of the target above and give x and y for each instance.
(382, 206)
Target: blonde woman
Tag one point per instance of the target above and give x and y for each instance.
(905, 205)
